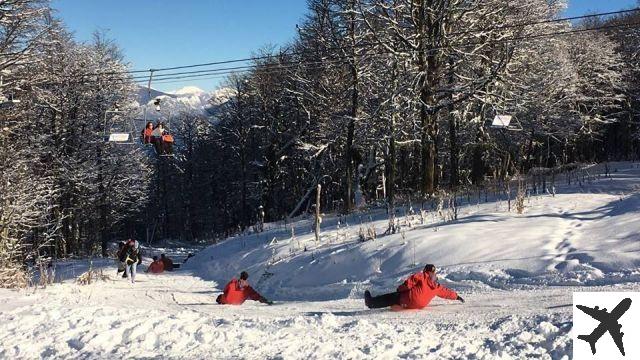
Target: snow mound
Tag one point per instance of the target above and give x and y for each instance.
(566, 239)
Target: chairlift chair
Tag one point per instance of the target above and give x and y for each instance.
(505, 122)
(156, 104)
(118, 130)
(7, 102)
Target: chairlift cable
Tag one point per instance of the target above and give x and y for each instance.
(227, 71)
(292, 64)
(301, 52)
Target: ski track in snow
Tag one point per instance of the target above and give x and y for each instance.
(517, 273)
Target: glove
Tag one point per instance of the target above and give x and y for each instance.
(460, 299)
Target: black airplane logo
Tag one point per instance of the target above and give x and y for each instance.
(608, 322)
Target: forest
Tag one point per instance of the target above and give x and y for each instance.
(380, 102)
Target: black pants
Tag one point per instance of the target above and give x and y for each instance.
(385, 300)
(167, 148)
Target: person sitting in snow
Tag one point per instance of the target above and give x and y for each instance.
(238, 291)
(415, 293)
(168, 263)
(156, 267)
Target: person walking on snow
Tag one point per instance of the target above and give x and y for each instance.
(120, 257)
(415, 293)
(238, 291)
(133, 258)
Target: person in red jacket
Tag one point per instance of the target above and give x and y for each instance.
(238, 291)
(156, 267)
(145, 134)
(415, 293)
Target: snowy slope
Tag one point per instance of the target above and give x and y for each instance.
(505, 265)
(585, 235)
(174, 316)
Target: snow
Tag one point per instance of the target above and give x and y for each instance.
(516, 273)
(561, 240)
(189, 90)
(174, 315)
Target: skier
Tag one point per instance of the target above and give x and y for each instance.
(133, 258)
(156, 267)
(415, 293)
(238, 291)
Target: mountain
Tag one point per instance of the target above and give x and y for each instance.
(144, 95)
(187, 99)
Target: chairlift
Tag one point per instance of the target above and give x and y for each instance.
(159, 150)
(6, 101)
(505, 122)
(117, 129)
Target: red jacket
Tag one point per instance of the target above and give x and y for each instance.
(156, 267)
(146, 135)
(418, 290)
(237, 291)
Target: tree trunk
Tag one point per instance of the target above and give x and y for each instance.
(390, 168)
(348, 194)
(243, 190)
(390, 165)
(102, 226)
(453, 136)
(317, 228)
(428, 65)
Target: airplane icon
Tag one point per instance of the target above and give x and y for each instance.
(608, 322)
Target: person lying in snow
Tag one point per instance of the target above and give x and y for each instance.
(238, 291)
(168, 263)
(415, 293)
(156, 267)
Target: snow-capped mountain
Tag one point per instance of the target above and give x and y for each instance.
(187, 99)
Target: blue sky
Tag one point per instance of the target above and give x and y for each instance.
(164, 33)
